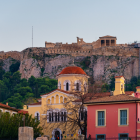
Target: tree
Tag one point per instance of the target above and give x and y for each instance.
(15, 101)
(14, 67)
(9, 125)
(1, 73)
(3, 91)
(44, 89)
(24, 90)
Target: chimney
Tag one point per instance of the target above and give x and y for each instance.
(119, 85)
(6, 103)
(138, 89)
(111, 93)
(25, 107)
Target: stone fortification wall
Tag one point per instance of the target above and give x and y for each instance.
(106, 51)
(12, 54)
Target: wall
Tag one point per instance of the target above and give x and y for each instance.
(112, 129)
(7, 110)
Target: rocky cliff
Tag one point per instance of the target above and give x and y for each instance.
(100, 63)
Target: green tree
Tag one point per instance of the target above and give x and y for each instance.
(3, 91)
(1, 73)
(15, 101)
(9, 125)
(14, 67)
(44, 89)
(24, 90)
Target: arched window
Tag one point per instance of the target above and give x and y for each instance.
(48, 101)
(52, 100)
(77, 86)
(85, 87)
(37, 115)
(59, 85)
(57, 99)
(61, 99)
(67, 86)
(83, 114)
(53, 115)
(63, 115)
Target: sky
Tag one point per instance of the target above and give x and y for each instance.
(64, 20)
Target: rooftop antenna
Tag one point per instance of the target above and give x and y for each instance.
(32, 36)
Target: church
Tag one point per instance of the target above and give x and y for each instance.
(51, 109)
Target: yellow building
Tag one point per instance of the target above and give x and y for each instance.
(51, 107)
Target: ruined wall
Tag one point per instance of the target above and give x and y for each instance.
(12, 54)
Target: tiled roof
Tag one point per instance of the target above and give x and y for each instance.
(38, 103)
(116, 98)
(8, 107)
(23, 112)
(119, 76)
(90, 96)
(137, 87)
(72, 70)
(14, 109)
(58, 90)
(129, 92)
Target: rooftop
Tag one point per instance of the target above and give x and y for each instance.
(72, 70)
(116, 98)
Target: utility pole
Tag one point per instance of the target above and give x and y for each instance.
(32, 36)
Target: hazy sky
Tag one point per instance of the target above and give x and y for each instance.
(64, 20)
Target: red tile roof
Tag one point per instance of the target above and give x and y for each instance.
(72, 70)
(116, 98)
(8, 107)
(137, 87)
(23, 112)
(119, 76)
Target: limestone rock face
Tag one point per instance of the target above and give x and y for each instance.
(53, 66)
(7, 63)
(29, 67)
(105, 62)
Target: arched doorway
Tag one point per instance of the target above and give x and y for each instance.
(57, 132)
(57, 135)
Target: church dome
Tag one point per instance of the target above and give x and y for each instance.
(72, 70)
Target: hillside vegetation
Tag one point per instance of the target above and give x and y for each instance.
(17, 91)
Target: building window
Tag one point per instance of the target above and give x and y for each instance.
(77, 86)
(67, 86)
(59, 85)
(100, 137)
(56, 116)
(123, 117)
(37, 116)
(83, 115)
(101, 118)
(123, 136)
(50, 117)
(62, 116)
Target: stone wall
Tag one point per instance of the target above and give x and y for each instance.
(12, 54)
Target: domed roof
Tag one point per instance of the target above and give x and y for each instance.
(72, 70)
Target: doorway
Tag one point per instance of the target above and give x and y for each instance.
(57, 135)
